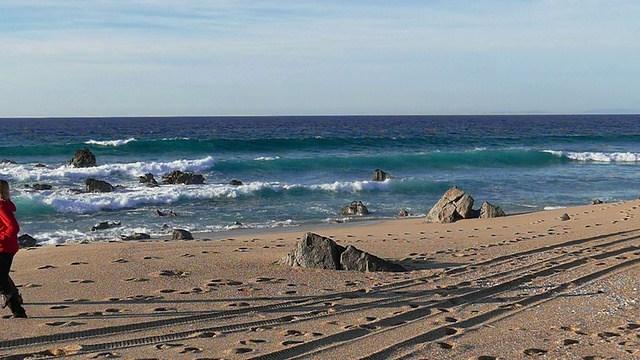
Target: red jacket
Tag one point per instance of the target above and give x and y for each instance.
(9, 228)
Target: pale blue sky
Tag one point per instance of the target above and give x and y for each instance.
(168, 57)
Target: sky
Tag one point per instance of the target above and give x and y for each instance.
(296, 57)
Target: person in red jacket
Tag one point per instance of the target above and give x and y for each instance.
(9, 229)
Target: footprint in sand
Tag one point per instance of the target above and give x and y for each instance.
(120, 261)
(191, 350)
(47, 267)
(534, 351)
(291, 342)
(569, 342)
(446, 345)
(76, 300)
(238, 351)
(105, 355)
(64, 323)
(252, 341)
(164, 309)
(75, 281)
(58, 307)
(75, 263)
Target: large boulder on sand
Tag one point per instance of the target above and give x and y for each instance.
(99, 186)
(314, 251)
(490, 211)
(83, 158)
(454, 205)
(180, 234)
(355, 208)
(355, 259)
(179, 177)
(318, 252)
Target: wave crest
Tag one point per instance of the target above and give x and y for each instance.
(110, 142)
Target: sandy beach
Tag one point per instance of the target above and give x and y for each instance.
(522, 286)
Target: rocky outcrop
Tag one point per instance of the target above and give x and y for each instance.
(38, 187)
(179, 177)
(318, 252)
(180, 234)
(136, 236)
(105, 225)
(169, 214)
(380, 175)
(403, 213)
(314, 251)
(26, 240)
(97, 186)
(235, 182)
(8, 161)
(490, 211)
(83, 158)
(148, 179)
(356, 208)
(358, 260)
(454, 205)
(597, 202)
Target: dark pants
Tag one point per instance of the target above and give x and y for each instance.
(7, 287)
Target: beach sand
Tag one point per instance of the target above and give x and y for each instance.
(518, 287)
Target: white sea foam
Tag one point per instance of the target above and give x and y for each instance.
(138, 195)
(267, 158)
(598, 156)
(110, 142)
(23, 172)
(352, 186)
(554, 207)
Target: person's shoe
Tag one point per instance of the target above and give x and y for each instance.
(20, 315)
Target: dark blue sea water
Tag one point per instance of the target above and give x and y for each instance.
(302, 170)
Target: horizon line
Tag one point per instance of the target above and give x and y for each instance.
(311, 115)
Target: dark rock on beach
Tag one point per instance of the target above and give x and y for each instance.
(83, 158)
(42, 187)
(355, 208)
(179, 177)
(136, 236)
(105, 225)
(169, 214)
(99, 186)
(180, 234)
(7, 161)
(403, 213)
(597, 202)
(26, 240)
(39, 187)
(319, 252)
(149, 179)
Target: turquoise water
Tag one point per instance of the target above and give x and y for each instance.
(302, 170)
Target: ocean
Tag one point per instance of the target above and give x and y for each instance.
(301, 170)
